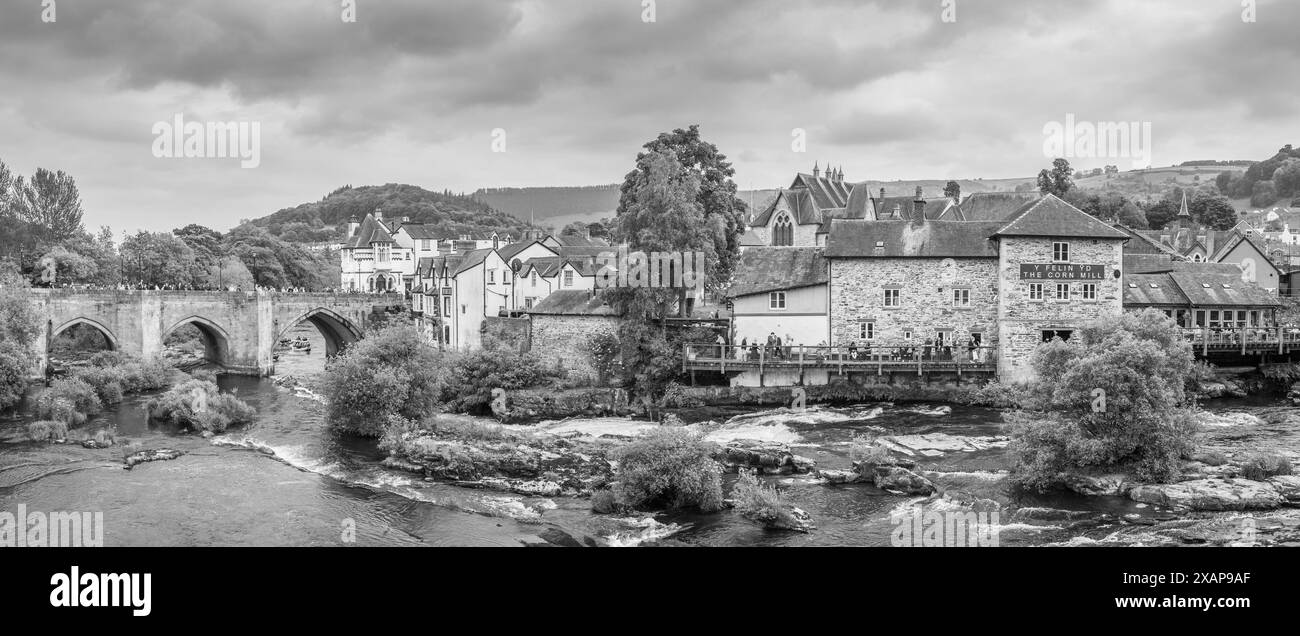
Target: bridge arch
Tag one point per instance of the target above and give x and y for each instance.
(339, 332)
(81, 320)
(216, 342)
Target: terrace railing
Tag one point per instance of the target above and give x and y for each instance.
(1243, 340)
(840, 358)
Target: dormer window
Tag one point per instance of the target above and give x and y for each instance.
(1060, 252)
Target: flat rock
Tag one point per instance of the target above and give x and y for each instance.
(1288, 486)
(1210, 494)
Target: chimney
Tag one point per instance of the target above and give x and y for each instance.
(353, 225)
(379, 215)
(816, 171)
(406, 219)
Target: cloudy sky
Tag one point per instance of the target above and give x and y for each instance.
(413, 90)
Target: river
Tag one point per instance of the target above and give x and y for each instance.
(287, 480)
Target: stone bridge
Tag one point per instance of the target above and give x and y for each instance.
(240, 329)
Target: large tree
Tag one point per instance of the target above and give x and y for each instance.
(723, 212)
(157, 259)
(1058, 180)
(952, 190)
(50, 200)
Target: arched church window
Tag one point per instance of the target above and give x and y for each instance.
(783, 231)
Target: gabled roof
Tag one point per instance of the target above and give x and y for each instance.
(370, 231)
(473, 259)
(573, 302)
(424, 267)
(546, 266)
(800, 203)
(1049, 216)
(508, 252)
(895, 239)
(764, 269)
(826, 193)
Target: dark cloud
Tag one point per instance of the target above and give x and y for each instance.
(413, 89)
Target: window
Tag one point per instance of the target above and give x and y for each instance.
(1088, 291)
(528, 303)
(464, 308)
(492, 275)
(446, 335)
(1062, 291)
(961, 298)
(1060, 252)
(893, 297)
(783, 231)
(1063, 334)
(867, 330)
(424, 244)
(568, 278)
(1035, 291)
(776, 301)
(532, 280)
(381, 252)
(446, 306)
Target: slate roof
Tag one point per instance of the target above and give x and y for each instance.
(1147, 263)
(800, 202)
(508, 252)
(1196, 285)
(473, 258)
(1152, 289)
(932, 239)
(420, 231)
(1221, 288)
(751, 239)
(994, 206)
(573, 302)
(1050, 216)
(370, 231)
(764, 269)
(580, 241)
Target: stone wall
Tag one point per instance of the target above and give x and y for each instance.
(513, 332)
(926, 289)
(565, 338)
(1021, 321)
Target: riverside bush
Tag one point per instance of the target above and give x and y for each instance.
(68, 400)
(1261, 466)
(107, 382)
(761, 503)
(1146, 427)
(47, 430)
(202, 405)
(670, 467)
(393, 371)
(14, 369)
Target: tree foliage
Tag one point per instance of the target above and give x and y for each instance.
(1142, 366)
(1058, 180)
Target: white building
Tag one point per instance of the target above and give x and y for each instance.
(372, 261)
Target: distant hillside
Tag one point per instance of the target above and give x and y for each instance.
(544, 203)
(325, 220)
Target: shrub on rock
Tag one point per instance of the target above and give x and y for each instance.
(670, 467)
